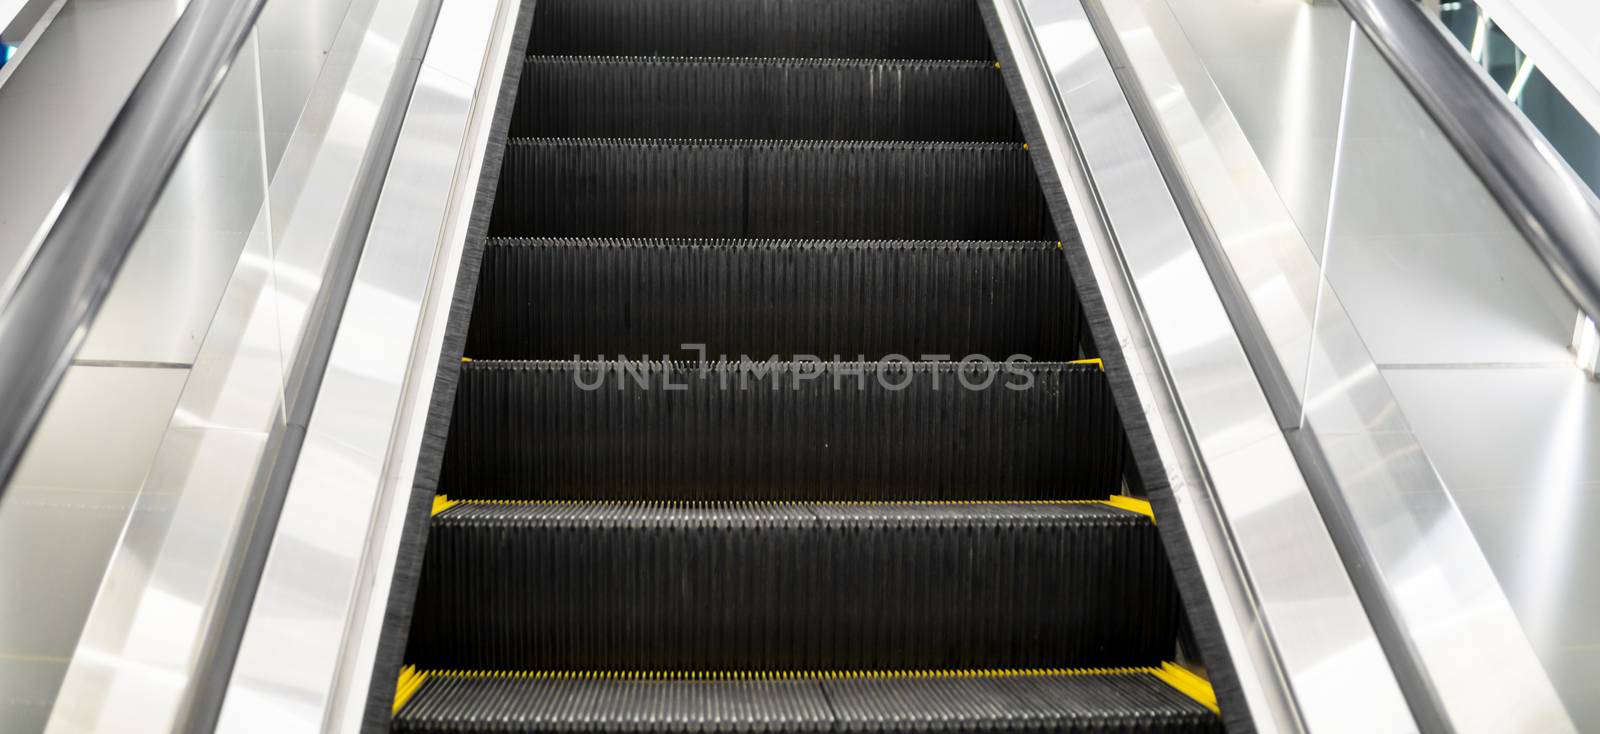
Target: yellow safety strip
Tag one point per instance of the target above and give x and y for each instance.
(465, 360)
(442, 503)
(803, 675)
(1132, 504)
(1189, 684)
(1181, 679)
(411, 679)
(1095, 361)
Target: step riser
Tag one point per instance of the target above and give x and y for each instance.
(892, 29)
(524, 431)
(639, 97)
(576, 188)
(834, 588)
(566, 299)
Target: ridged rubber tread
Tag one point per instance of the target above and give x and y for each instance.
(897, 29)
(607, 187)
(801, 431)
(792, 586)
(1084, 703)
(564, 298)
(832, 99)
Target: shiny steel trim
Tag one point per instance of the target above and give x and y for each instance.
(157, 635)
(1552, 208)
(306, 659)
(1300, 641)
(83, 244)
(1414, 560)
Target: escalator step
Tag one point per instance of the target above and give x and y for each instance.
(561, 298)
(791, 586)
(633, 97)
(605, 430)
(1122, 701)
(609, 187)
(902, 29)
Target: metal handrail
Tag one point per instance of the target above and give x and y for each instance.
(1552, 208)
(83, 245)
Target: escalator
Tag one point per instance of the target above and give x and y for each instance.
(778, 410)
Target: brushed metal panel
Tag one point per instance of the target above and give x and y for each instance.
(1251, 98)
(1507, 427)
(308, 650)
(1320, 638)
(136, 662)
(55, 108)
(166, 294)
(62, 517)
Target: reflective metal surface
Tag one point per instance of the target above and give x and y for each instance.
(164, 299)
(1293, 625)
(1520, 465)
(1551, 207)
(83, 244)
(306, 659)
(142, 661)
(58, 99)
(61, 520)
(1367, 249)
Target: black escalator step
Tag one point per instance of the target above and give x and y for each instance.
(854, 299)
(608, 430)
(607, 187)
(834, 99)
(903, 29)
(791, 586)
(1121, 701)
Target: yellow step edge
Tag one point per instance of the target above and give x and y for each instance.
(443, 502)
(1096, 361)
(1121, 502)
(768, 675)
(410, 681)
(1132, 504)
(1189, 684)
(1179, 678)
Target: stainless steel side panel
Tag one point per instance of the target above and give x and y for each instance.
(1296, 631)
(137, 661)
(308, 651)
(1248, 99)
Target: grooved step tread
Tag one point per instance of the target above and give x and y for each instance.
(699, 97)
(609, 430)
(902, 29)
(854, 299)
(792, 586)
(1140, 700)
(649, 187)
